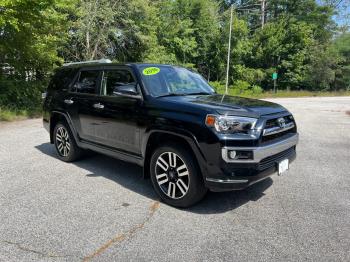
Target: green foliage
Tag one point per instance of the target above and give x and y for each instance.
(322, 68)
(283, 46)
(341, 46)
(239, 88)
(31, 35)
(299, 40)
(21, 95)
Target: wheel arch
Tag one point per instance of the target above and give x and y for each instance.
(58, 116)
(155, 138)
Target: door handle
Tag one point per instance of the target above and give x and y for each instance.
(98, 106)
(68, 101)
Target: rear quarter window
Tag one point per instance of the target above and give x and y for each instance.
(62, 78)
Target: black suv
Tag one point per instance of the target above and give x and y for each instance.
(169, 120)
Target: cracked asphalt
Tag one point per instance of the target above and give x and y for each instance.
(100, 209)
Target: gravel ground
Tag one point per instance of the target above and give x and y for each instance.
(100, 209)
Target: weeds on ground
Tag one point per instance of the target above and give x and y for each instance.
(13, 115)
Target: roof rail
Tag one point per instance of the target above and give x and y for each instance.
(101, 61)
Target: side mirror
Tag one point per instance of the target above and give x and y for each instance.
(77, 86)
(126, 90)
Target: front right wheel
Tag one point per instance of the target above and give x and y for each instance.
(176, 177)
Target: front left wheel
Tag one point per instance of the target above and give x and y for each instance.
(176, 177)
(65, 144)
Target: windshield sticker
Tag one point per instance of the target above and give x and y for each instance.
(149, 71)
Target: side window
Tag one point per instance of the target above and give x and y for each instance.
(62, 78)
(115, 80)
(87, 82)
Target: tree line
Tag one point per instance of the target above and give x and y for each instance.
(298, 39)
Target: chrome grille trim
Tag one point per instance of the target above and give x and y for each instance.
(277, 129)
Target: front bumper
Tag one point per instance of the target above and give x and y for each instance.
(239, 174)
(260, 153)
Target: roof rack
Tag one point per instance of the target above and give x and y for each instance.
(101, 61)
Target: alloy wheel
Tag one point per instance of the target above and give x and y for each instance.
(63, 141)
(172, 175)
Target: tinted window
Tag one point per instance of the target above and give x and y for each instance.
(87, 82)
(114, 79)
(62, 78)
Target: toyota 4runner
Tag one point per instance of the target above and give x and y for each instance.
(169, 120)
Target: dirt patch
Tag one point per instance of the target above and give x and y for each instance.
(128, 234)
(347, 112)
(153, 208)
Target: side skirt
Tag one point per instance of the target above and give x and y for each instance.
(111, 152)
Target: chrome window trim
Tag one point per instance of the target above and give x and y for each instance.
(259, 153)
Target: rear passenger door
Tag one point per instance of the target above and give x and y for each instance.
(80, 103)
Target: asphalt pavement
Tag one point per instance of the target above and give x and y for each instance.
(101, 209)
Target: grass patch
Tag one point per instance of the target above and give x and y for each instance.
(303, 94)
(286, 94)
(13, 115)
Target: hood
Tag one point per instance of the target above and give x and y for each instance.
(229, 105)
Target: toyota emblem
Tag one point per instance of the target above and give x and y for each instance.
(281, 122)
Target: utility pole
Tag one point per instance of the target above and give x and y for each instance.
(229, 51)
(263, 13)
(240, 8)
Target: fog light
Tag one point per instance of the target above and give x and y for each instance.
(232, 154)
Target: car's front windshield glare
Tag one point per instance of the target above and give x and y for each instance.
(171, 80)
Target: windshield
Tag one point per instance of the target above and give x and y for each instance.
(171, 80)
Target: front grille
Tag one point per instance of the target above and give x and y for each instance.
(269, 138)
(271, 161)
(278, 131)
(274, 122)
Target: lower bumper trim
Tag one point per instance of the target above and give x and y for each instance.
(221, 184)
(227, 181)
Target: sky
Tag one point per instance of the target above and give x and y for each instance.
(343, 18)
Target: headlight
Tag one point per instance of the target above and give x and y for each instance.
(231, 124)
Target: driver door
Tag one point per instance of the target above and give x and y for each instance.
(116, 115)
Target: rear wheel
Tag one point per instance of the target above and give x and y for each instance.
(176, 177)
(65, 144)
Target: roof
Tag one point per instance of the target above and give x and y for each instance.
(101, 63)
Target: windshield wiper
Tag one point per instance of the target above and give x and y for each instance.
(185, 94)
(199, 93)
(173, 94)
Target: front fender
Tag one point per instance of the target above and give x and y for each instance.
(180, 133)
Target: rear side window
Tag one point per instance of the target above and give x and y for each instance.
(114, 79)
(87, 82)
(62, 78)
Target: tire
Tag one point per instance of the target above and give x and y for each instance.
(176, 177)
(66, 147)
